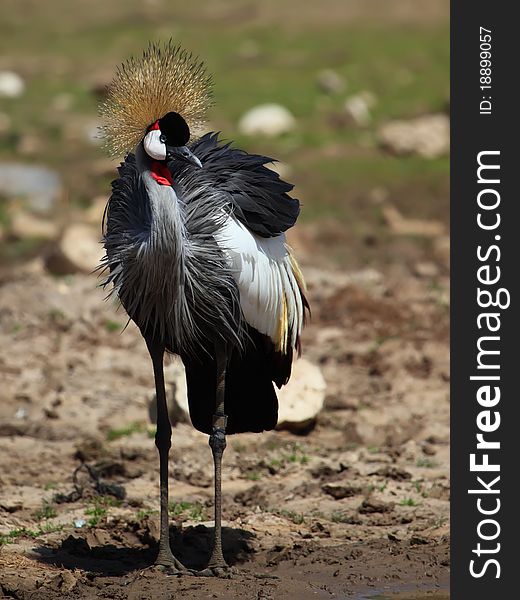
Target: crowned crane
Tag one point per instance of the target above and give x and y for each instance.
(196, 254)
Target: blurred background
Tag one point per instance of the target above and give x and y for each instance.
(342, 72)
(352, 98)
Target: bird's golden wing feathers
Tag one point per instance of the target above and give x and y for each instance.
(165, 78)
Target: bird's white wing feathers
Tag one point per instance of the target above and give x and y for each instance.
(267, 276)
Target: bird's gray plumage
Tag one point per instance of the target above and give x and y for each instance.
(165, 265)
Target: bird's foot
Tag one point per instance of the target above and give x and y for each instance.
(169, 564)
(217, 569)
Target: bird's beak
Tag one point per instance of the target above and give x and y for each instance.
(182, 153)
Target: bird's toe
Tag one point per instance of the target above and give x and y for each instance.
(172, 566)
(223, 572)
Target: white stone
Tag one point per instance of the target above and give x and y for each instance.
(428, 136)
(79, 251)
(24, 225)
(330, 82)
(301, 400)
(270, 120)
(177, 391)
(11, 85)
(358, 108)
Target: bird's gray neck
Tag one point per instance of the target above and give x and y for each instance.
(166, 228)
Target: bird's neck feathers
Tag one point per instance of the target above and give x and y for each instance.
(167, 228)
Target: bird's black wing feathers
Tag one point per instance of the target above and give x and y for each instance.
(258, 196)
(250, 401)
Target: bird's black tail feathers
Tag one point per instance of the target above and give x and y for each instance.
(250, 402)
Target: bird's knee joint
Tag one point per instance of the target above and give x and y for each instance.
(217, 440)
(163, 439)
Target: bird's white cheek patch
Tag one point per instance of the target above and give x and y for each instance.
(153, 146)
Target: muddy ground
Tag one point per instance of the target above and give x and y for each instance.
(357, 505)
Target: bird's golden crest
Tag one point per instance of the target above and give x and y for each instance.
(165, 78)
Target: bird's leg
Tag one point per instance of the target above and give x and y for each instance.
(163, 436)
(217, 441)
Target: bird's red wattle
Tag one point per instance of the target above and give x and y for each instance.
(161, 173)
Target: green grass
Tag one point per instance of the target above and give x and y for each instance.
(408, 502)
(112, 326)
(194, 511)
(96, 514)
(342, 517)
(417, 485)
(98, 509)
(115, 434)
(295, 517)
(284, 456)
(47, 511)
(13, 535)
(427, 463)
(144, 513)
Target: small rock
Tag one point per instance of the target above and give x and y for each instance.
(25, 225)
(426, 269)
(358, 107)
(393, 473)
(427, 136)
(79, 251)
(417, 540)
(301, 400)
(339, 491)
(11, 85)
(330, 82)
(40, 186)
(79, 523)
(270, 120)
(375, 506)
(176, 395)
(21, 413)
(419, 227)
(63, 582)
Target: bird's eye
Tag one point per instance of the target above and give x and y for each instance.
(154, 146)
(162, 138)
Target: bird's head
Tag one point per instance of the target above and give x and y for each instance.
(166, 140)
(155, 100)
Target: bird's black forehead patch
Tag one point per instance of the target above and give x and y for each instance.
(175, 128)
